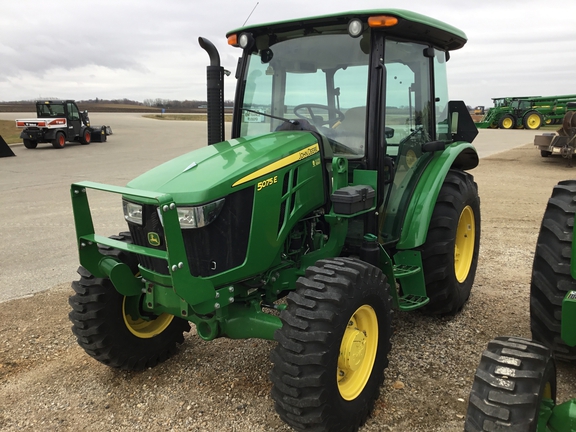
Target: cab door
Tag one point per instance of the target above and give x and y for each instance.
(74, 122)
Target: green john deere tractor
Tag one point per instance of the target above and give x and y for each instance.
(512, 113)
(342, 194)
(515, 384)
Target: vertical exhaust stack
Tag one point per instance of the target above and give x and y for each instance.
(215, 84)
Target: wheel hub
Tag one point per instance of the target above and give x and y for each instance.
(139, 327)
(464, 244)
(357, 352)
(353, 348)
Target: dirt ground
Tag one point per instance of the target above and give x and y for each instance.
(47, 382)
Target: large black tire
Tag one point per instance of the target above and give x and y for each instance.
(551, 278)
(450, 254)
(59, 140)
(30, 144)
(515, 377)
(532, 120)
(545, 153)
(507, 121)
(112, 336)
(333, 346)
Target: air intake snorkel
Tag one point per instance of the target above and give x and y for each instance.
(215, 88)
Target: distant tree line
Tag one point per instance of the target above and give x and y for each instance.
(154, 103)
(177, 104)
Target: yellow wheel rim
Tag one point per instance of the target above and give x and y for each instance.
(145, 329)
(507, 123)
(464, 244)
(533, 121)
(357, 352)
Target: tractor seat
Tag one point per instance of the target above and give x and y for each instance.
(352, 129)
(354, 122)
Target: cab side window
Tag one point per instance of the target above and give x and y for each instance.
(73, 113)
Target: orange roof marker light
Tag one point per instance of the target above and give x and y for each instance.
(382, 21)
(233, 39)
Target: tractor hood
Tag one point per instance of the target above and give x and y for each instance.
(217, 170)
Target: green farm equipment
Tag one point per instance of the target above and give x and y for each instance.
(526, 112)
(515, 384)
(511, 113)
(342, 193)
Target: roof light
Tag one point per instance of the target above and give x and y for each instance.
(382, 21)
(246, 41)
(355, 28)
(233, 40)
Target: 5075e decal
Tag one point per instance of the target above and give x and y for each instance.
(285, 161)
(268, 182)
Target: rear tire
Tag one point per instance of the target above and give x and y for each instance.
(30, 144)
(59, 140)
(532, 120)
(111, 335)
(545, 153)
(332, 347)
(515, 377)
(507, 121)
(551, 278)
(450, 254)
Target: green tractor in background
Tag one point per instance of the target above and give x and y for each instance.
(515, 384)
(342, 194)
(512, 113)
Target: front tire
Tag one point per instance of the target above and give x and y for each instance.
(515, 378)
(113, 329)
(507, 121)
(551, 277)
(86, 137)
(450, 254)
(333, 346)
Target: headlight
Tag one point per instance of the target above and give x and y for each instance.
(200, 216)
(132, 212)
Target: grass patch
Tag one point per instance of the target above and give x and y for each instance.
(9, 131)
(184, 117)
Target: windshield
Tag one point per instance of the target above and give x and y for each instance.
(320, 78)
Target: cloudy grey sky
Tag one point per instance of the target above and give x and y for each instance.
(148, 49)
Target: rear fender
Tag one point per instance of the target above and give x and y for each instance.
(459, 155)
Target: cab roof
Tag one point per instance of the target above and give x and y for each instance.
(410, 25)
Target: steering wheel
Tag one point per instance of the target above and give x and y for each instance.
(316, 119)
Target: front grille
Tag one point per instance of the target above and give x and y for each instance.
(140, 237)
(212, 249)
(223, 244)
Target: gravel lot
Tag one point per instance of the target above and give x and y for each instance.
(47, 382)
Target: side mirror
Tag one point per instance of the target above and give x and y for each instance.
(462, 127)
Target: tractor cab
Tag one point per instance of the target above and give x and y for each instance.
(373, 97)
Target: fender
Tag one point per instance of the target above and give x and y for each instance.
(459, 155)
